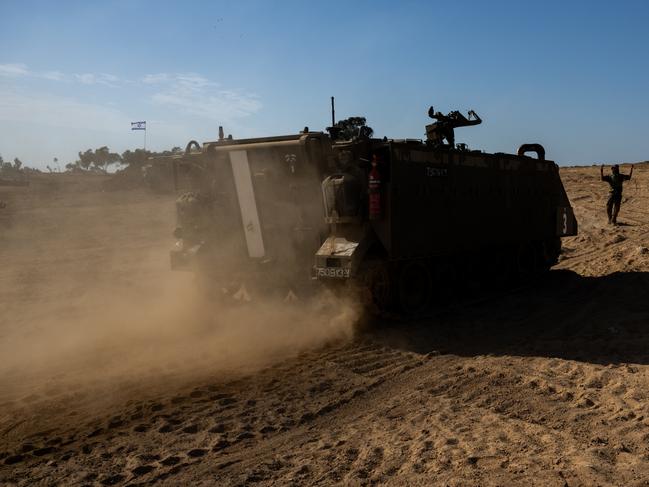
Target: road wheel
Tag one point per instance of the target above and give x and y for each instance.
(445, 282)
(496, 271)
(551, 249)
(380, 286)
(414, 288)
(526, 261)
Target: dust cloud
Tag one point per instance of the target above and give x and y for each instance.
(87, 300)
(172, 335)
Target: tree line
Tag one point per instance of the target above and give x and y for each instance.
(97, 160)
(8, 166)
(102, 158)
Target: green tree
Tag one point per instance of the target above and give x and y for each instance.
(17, 164)
(86, 159)
(104, 157)
(351, 128)
(138, 157)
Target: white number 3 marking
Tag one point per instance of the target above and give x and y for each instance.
(565, 222)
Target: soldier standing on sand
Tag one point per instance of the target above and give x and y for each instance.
(615, 180)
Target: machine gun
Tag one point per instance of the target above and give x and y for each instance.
(445, 126)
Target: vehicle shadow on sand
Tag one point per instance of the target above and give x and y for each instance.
(592, 319)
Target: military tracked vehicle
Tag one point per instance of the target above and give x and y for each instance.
(406, 222)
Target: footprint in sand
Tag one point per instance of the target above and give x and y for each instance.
(43, 451)
(219, 428)
(146, 457)
(586, 403)
(302, 471)
(374, 459)
(169, 461)
(96, 432)
(245, 436)
(27, 447)
(13, 459)
(112, 479)
(196, 453)
(115, 422)
(142, 470)
(267, 429)
(220, 445)
(167, 428)
(191, 429)
(351, 454)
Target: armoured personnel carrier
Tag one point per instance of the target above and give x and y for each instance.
(406, 221)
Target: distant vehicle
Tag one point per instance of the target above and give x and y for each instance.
(406, 221)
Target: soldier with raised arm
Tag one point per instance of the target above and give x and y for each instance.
(616, 181)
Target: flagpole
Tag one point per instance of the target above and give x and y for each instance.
(140, 126)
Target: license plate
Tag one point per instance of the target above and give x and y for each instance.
(333, 272)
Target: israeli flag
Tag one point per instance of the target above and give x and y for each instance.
(138, 125)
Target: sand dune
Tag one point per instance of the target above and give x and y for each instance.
(110, 375)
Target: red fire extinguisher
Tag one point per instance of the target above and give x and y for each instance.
(374, 186)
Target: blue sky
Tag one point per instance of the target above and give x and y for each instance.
(572, 75)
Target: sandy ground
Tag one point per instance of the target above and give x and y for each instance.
(109, 375)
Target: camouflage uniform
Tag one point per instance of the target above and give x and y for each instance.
(616, 181)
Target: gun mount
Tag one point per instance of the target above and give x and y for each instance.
(444, 128)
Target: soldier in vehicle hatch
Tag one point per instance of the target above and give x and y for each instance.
(445, 126)
(616, 181)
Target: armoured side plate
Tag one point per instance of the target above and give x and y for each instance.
(247, 203)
